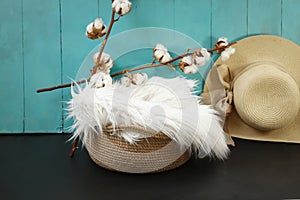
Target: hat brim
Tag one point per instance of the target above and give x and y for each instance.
(263, 48)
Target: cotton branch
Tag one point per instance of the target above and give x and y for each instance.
(62, 86)
(133, 69)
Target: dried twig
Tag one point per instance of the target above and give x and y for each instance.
(74, 147)
(62, 86)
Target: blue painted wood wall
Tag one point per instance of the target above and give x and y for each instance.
(42, 43)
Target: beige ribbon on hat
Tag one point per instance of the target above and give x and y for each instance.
(220, 92)
(225, 102)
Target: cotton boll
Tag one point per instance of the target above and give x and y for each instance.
(201, 56)
(105, 62)
(166, 58)
(225, 55)
(105, 58)
(161, 54)
(230, 50)
(95, 57)
(108, 64)
(125, 7)
(107, 71)
(134, 79)
(205, 53)
(126, 80)
(99, 28)
(101, 79)
(121, 7)
(187, 60)
(104, 81)
(199, 61)
(223, 41)
(95, 29)
(139, 78)
(190, 69)
(98, 23)
(89, 28)
(160, 47)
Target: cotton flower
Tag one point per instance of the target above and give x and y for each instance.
(186, 61)
(98, 24)
(121, 7)
(187, 65)
(101, 79)
(200, 57)
(190, 69)
(126, 80)
(225, 55)
(89, 28)
(134, 79)
(96, 29)
(105, 62)
(221, 42)
(139, 78)
(161, 54)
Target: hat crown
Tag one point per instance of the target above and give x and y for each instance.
(266, 97)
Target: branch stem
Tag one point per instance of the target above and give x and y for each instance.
(111, 23)
(74, 147)
(62, 86)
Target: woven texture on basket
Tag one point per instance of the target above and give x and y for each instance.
(154, 153)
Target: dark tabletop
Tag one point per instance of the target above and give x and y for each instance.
(38, 167)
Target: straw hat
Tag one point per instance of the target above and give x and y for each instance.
(257, 89)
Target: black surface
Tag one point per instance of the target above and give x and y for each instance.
(38, 167)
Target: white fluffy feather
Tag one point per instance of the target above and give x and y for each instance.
(166, 105)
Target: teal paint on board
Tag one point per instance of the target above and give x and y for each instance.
(155, 13)
(75, 45)
(290, 20)
(229, 19)
(11, 67)
(46, 48)
(41, 23)
(264, 17)
(194, 20)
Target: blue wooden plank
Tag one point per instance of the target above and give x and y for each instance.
(229, 19)
(155, 13)
(264, 17)
(75, 45)
(194, 19)
(11, 67)
(290, 20)
(41, 23)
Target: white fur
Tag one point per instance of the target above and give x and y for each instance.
(166, 105)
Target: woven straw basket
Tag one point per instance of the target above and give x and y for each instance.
(154, 153)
